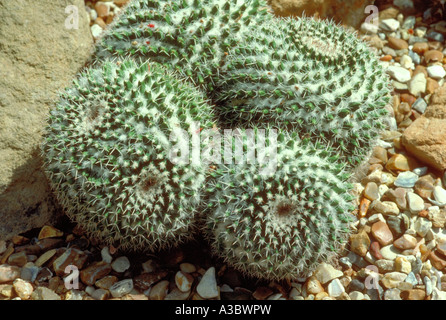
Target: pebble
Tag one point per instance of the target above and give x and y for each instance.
(402, 265)
(417, 85)
(440, 196)
(121, 288)
(437, 216)
(8, 273)
(23, 288)
(106, 282)
(29, 272)
(313, 286)
(428, 285)
(71, 256)
(43, 293)
(382, 233)
(406, 179)
(183, 281)
(392, 279)
(94, 272)
(392, 294)
(399, 74)
(397, 44)
(369, 28)
(100, 294)
(187, 267)
(145, 280)
(45, 257)
(420, 105)
(389, 252)
(413, 294)
(389, 24)
(399, 162)
(18, 259)
(415, 202)
(386, 208)
(435, 36)
(96, 30)
(371, 191)
(105, 255)
(49, 232)
(422, 226)
(407, 63)
(405, 242)
(335, 288)
(436, 72)
(159, 290)
(207, 287)
(121, 264)
(433, 56)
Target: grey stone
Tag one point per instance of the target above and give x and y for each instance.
(409, 22)
(392, 294)
(415, 57)
(207, 287)
(121, 264)
(39, 57)
(335, 288)
(121, 288)
(420, 105)
(435, 36)
(406, 179)
(411, 279)
(422, 226)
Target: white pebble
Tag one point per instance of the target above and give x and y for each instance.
(121, 264)
(436, 72)
(207, 288)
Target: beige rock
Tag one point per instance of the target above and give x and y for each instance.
(39, 57)
(349, 12)
(425, 138)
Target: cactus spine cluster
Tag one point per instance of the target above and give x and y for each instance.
(280, 223)
(109, 139)
(106, 154)
(193, 36)
(311, 76)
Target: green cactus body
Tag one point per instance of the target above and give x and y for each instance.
(107, 154)
(280, 225)
(311, 76)
(190, 35)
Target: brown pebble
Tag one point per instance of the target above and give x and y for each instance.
(433, 56)
(406, 97)
(437, 261)
(431, 85)
(386, 58)
(413, 294)
(360, 243)
(49, 232)
(397, 44)
(420, 69)
(145, 280)
(382, 233)
(102, 9)
(19, 240)
(420, 48)
(364, 207)
(399, 162)
(94, 272)
(18, 259)
(375, 250)
(405, 242)
(106, 282)
(371, 191)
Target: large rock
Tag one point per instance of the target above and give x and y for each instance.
(425, 138)
(38, 57)
(348, 12)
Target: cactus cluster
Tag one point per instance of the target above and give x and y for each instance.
(106, 154)
(310, 76)
(154, 74)
(280, 217)
(192, 36)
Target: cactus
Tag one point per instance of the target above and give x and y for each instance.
(107, 154)
(281, 224)
(310, 76)
(190, 35)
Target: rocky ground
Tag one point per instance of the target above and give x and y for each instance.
(398, 249)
